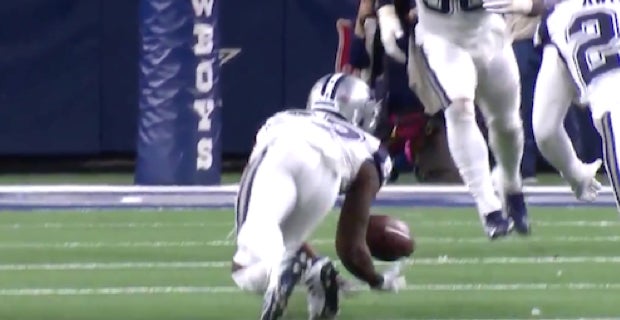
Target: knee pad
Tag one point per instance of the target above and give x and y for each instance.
(461, 110)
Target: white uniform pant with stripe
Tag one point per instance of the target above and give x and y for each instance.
(285, 192)
(485, 71)
(605, 107)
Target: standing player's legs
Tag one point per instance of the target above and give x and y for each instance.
(552, 99)
(498, 97)
(452, 72)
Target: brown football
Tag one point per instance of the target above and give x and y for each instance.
(388, 238)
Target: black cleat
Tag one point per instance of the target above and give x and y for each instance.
(276, 298)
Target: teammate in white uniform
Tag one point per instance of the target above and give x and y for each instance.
(462, 55)
(301, 162)
(581, 62)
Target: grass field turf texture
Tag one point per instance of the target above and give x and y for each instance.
(160, 265)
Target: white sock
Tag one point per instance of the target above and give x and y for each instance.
(507, 141)
(471, 156)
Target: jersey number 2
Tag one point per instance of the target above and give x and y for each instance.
(449, 6)
(596, 51)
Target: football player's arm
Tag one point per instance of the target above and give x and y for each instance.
(364, 11)
(359, 57)
(351, 244)
(390, 29)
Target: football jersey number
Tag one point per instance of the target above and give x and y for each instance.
(449, 6)
(596, 51)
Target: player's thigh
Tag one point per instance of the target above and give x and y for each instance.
(318, 187)
(552, 100)
(267, 195)
(448, 69)
(603, 95)
(499, 90)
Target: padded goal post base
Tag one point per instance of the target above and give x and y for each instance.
(180, 107)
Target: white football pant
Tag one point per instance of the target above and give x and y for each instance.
(480, 72)
(285, 192)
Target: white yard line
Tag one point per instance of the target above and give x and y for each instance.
(115, 225)
(565, 223)
(581, 318)
(232, 188)
(228, 243)
(444, 260)
(202, 224)
(450, 287)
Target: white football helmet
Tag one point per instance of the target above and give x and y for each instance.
(346, 96)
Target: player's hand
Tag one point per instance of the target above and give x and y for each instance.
(391, 31)
(393, 281)
(508, 6)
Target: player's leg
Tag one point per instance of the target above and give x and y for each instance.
(452, 75)
(318, 188)
(267, 194)
(320, 185)
(498, 97)
(604, 104)
(552, 99)
(609, 127)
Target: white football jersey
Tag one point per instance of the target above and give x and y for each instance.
(587, 36)
(343, 145)
(461, 20)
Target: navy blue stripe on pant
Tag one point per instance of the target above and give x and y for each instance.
(611, 156)
(434, 81)
(244, 194)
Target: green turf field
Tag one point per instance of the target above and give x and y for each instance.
(174, 265)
